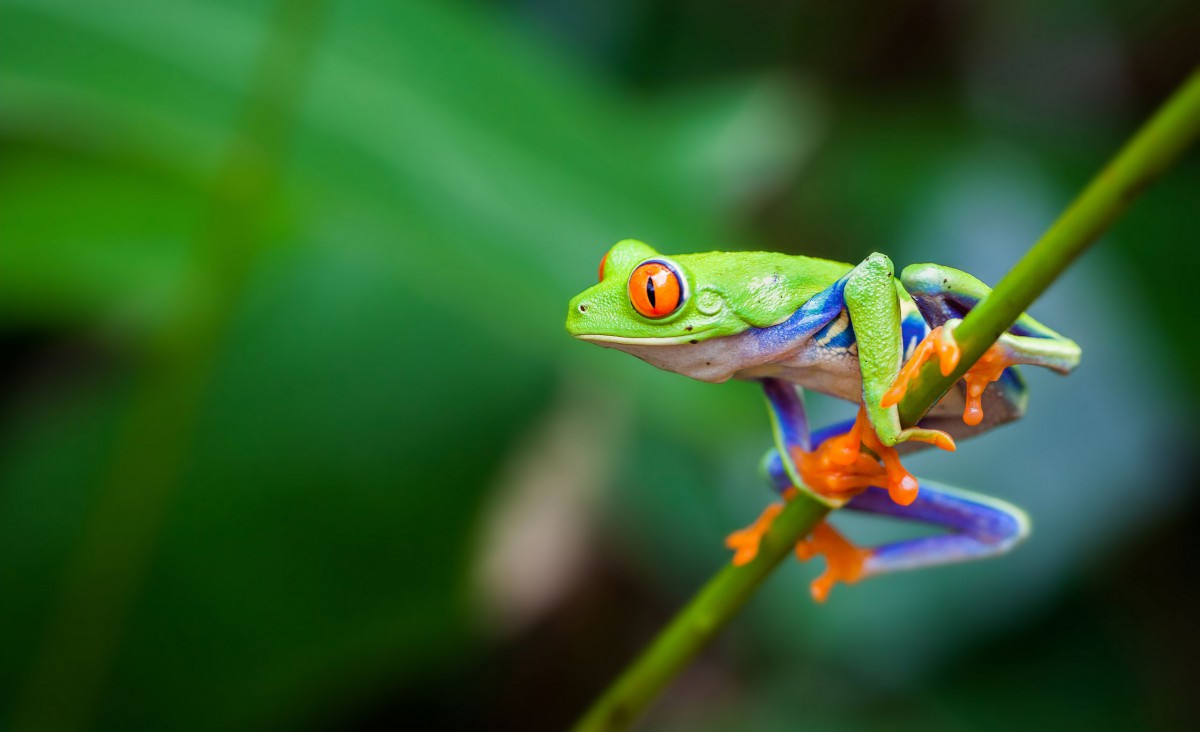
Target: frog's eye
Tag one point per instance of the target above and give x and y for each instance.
(603, 261)
(655, 289)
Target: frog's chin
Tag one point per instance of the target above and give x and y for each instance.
(612, 340)
(707, 359)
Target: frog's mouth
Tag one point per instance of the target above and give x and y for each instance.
(693, 337)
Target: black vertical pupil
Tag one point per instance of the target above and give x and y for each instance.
(650, 291)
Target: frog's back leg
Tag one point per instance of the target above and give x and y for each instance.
(944, 293)
(979, 527)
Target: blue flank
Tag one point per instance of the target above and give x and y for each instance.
(912, 331)
(841, 341)
(818, 312)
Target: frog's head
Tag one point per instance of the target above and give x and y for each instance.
(670, 311)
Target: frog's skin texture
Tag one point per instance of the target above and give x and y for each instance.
(839, 329)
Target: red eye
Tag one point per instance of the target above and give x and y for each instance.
(655, 290)
(603, 261)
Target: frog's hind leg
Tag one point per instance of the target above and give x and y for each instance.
(979, 527)
(832, 474)
(945, 294)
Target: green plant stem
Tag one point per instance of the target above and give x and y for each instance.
(708, 612)
(1152, 150)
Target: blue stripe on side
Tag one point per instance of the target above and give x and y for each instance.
(842, 340)
(820, 309)
(912, 331)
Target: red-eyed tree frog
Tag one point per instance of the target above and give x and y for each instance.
(855, 332)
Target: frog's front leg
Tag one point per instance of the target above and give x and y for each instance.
(873, 302)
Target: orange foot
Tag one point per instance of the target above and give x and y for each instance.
(745, 541)
(839, 468)
(947, 352)
(986, 370)
(843, 561)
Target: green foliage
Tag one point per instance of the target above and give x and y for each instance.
(393, 337)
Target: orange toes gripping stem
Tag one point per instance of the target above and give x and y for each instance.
(745, 542)
(900, 484)
(947, 352)
(839, 468)
(986, 370)
(843, 561)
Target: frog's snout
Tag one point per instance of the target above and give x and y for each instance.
(577, 315)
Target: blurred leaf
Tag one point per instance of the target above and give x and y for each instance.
(437, 210)
(87, 234)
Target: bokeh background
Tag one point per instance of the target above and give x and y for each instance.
(292, 438)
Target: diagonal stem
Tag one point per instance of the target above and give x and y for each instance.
(1155, 147)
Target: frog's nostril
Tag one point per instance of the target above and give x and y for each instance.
(582, 308)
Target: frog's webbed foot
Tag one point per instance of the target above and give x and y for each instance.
(940, 342)
(843, 561)
(839, 466)
(987, 369)
(745, 542)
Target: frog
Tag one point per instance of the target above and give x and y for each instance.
(855, 332)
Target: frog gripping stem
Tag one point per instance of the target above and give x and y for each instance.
(940, 343)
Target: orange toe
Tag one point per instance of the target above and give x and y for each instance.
(745, 542)
(900, 484)
(839, 468)
(932, 344)
(987, 369)
(844, 562)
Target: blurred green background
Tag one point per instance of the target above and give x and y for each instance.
(292, 438)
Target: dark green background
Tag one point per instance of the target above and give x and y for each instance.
(291, 436)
